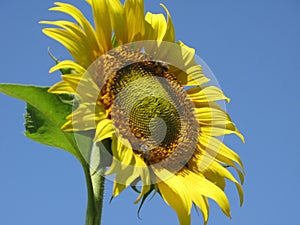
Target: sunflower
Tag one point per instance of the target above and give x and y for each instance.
(146, 93)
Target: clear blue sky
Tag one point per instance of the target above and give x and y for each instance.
(253, 49)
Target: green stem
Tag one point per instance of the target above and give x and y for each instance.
(95, 179)
(98, 180)
(90, 211)
(95, 186)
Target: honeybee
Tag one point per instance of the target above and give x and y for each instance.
(161, 67)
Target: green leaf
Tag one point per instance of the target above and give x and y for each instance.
(46, 114)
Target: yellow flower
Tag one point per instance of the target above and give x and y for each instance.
(147, 94)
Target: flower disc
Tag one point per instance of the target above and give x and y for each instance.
(154, 113)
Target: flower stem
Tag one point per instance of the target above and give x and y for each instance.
(95, 186)
(95, 180)
(98, 181)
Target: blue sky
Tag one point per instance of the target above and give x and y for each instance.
(253, 49)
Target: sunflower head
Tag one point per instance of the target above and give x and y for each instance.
(148, 95)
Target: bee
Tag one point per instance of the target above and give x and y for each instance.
(144, 151)
(161, 67)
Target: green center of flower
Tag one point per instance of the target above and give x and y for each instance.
(156, 119)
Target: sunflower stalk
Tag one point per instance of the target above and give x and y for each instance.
(95, 186)
(95, 180)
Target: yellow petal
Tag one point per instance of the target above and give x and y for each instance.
(144, 173)
(206, 94)
(203, 204)
(196, 76)
(125, 177)
(214, 120)
(175, 194)
(217, 180)
(170, 31)
(128, 167)
(102, 23)
(216, 170)
(87, 90)
(62, 87)
(188, 54)
(104, 130)
(72, 79)
(192, 75)
(79, 17)
(118, 188)
(134, 15)
(79, 52)
(85, 117)
(189, 76)
(200, 185)
(215, 146)
(226, 161)
(123, 152)
(116, 165)
(68, 64)
(204, 157)
(75, 31)
(74, 12)
(117, 17)
(209, 116)
(221, 128)
(157, 26)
